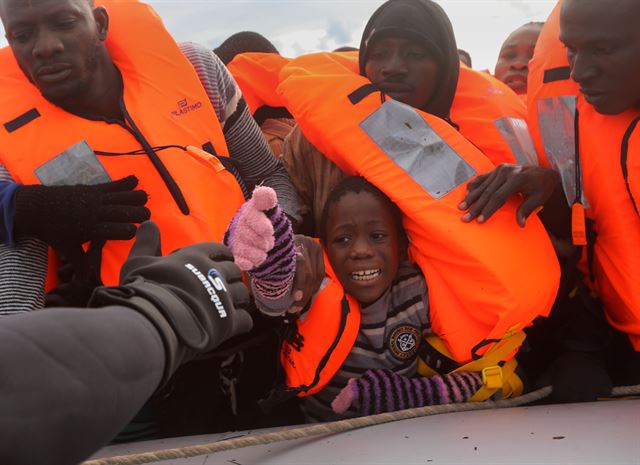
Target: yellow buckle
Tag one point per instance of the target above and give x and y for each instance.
(492, 377)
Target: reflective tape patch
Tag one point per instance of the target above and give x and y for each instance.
(516, 133)
(405, 137)
(76, 165)
(556, 118)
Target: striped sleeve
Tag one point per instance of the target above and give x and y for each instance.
(246, 143)
(23, 270)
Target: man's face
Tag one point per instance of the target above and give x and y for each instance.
(512, 67)
(603, 47)
(402, 69)
(55, 42)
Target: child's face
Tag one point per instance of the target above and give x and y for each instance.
(363, 245)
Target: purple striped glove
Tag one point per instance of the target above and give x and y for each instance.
(261, 241)
(379, 391)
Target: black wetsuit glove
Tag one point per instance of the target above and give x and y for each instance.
(71, 215)
(195, 296)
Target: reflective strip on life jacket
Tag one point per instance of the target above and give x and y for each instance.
(516, 134)
(407, 139)
(557, 123)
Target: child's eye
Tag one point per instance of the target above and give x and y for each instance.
(379, 236)
(341, 240)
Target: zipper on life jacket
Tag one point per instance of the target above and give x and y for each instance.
(162, 170)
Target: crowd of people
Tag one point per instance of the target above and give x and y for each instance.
(478, 233)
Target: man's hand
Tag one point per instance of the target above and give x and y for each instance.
(488, 192)
(73, 215)
(309, 272)
(194, 296)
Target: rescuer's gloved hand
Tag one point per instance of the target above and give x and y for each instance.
(194, 296)
(379, 391)
(261, 241)
(579, 377)
(70, 215)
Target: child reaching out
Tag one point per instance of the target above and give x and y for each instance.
(366, 248)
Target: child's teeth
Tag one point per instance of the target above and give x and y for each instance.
(365, 275)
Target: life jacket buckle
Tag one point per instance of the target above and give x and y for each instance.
(492, 377)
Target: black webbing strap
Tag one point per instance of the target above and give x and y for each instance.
(556, 74)
(21, 120)
(436, 360)
(359, 94)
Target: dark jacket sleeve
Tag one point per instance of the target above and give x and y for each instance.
(7, 211)
(71, 380)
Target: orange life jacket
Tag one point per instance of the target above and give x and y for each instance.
(488, 113)
(493, 117)
(257, 76)
(549, 75)
(328, 330)
(192, 197)
(601, 169)
(484, 280)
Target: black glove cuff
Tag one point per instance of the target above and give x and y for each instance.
(27, 217)
(150, 300)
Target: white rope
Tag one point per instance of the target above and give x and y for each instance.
(314, 430)
(332, 427)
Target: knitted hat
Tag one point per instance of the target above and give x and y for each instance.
(426, 23)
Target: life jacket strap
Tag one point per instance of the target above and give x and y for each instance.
(432, 356)
(497, 366)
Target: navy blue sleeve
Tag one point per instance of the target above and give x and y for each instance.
(7, 211)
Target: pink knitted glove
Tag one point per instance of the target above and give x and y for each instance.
(261, 241)
(382, 390)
